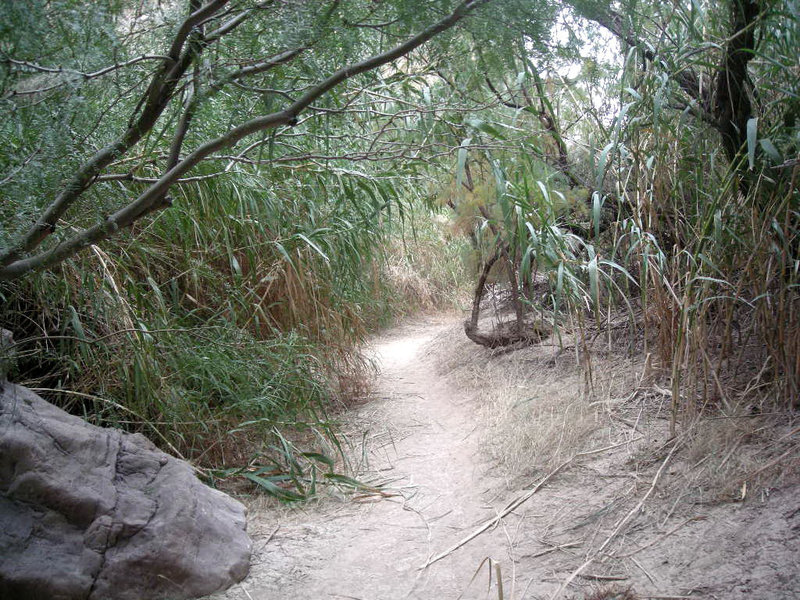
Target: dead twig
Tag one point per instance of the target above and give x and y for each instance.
(511, 507)
(620, 524)
(478, 571)
(658, 540)
(769, 465)
(553, 549)
(517, 502)
(270, 536)
(594, 577)
(643, 570)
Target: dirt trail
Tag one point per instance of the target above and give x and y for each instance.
(422, 441)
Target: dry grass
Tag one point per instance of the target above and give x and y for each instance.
(413, 287)
(539, 406)
(423, 269)
(612, 593)
(740, 456)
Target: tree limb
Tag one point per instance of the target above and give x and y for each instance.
(14, 266)
(154, 102)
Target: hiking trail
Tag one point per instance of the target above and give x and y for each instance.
(419, 437)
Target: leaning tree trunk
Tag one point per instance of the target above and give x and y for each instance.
(732, 107)
(516, 299)
(471, 326)
(505, 334)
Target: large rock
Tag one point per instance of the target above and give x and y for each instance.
(94, 513)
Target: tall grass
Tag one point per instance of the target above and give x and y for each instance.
(426, 265)
(230, 325)
(717, 267)
(705, 270)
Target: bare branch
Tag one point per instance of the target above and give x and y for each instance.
(499, 96)
(192, 21)
(262, 67)
(613, 22)
(233, 23)
(160, 92)
(154, 102)
(137, 179)
(81, 74)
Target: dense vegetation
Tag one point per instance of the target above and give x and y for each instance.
(207, 206)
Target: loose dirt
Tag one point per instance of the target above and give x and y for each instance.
(605, 519)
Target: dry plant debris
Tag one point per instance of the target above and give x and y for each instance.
(619, 510)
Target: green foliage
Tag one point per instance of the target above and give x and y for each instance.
(227, 325)
(231, 323)
(721, 250)
(695, 241)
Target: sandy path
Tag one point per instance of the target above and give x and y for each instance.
(423, 440)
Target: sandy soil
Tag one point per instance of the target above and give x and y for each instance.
(600, 523)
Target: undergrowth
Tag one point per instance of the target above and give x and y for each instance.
(228, 329)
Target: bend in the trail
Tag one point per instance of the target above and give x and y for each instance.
(598, 522)
(423, 440)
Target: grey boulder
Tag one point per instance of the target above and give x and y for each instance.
(94, 513)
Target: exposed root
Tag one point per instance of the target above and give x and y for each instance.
(507, 334)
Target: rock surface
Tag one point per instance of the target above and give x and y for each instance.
(94, 513)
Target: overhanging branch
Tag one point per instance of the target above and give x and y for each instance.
(14, 266)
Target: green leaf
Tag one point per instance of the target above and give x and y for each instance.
(560, 280)
(284, 253)
(348, 481)
(76, 323)
(770, 150)
(235, 266)
(323, 458)
(273, 489)
(623, 270)
(712, 280)
(752, 132)
(545, 192)
(525, 265)
(633, 93)
(314, 246)
(601, 167)
(156, 290)
(462, 161)
(597, 206)
(593, 283)
(486, 128)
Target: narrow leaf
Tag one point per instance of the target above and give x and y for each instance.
(752, 132)
(769, 148)
(462, 161)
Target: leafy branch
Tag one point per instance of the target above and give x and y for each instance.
(23, 255)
